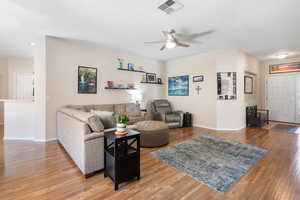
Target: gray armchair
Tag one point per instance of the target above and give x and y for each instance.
(161, 110)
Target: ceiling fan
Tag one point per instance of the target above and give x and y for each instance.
(173, 39)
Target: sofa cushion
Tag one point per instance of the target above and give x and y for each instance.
(92, 120)
(162, 106)
(119, 109)
(174, 117)
(107, 118)
(85, 108)
(134, 119)
(104, 107)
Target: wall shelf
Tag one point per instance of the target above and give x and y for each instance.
(131, 70)
(114, 88)
(152, 83)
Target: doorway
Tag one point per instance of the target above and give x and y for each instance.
(283, 97)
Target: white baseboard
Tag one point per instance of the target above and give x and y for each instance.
(219, 129)
(29, 139)
(14, 138)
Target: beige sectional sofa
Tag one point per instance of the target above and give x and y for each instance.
(75, 125)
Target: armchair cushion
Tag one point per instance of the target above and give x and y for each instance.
(172, 117)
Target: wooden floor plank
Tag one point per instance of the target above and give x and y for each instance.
(32, 171)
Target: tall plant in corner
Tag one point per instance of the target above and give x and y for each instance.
(122, 120)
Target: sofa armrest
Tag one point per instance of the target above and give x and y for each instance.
(93, 136)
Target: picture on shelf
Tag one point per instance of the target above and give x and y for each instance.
(150, 77)
(159, 80)
(130, 66)
(198, 78)
(87, 80)
(178, 86)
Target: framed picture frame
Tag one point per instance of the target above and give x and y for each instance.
(150, 77)
(178, 86)
(284, 68)
(87, 80)
(199, 78)
(226, 86)
(248, 84)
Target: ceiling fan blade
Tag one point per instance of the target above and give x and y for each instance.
(191, 37)
(155, 42)
(182, 44)
(163, 47)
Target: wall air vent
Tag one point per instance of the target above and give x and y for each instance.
(170, 6)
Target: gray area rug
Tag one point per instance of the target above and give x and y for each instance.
(217, 162)
(283, 128)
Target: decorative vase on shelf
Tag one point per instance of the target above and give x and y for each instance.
(120, 63)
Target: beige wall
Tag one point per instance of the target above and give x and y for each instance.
(3, 85)
(62, 60)
(8, 68)
(264, 72)
(16, 66)
(207, 111)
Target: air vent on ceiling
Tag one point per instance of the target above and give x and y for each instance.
(170, 6)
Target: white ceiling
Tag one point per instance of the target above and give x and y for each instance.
(259, 27)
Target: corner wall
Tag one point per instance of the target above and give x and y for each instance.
(63, 58)
(208, 112)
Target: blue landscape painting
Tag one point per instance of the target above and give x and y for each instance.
(178, 86)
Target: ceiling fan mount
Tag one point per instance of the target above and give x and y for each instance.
(173, 39)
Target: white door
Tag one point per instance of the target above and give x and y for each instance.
(282, 98)
(24, 86)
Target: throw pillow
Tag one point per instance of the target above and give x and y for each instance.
(107, 118)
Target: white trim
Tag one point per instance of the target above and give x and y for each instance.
(14, 138)
(29, 139)
(220, 129)
(48, 140)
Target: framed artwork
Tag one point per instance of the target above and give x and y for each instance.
(178, 86)
(226, 85)
(284, 68)
(150, 77)
(87, 80)
(248, 84)
(198, 78)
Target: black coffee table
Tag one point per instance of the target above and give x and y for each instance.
(122, 156)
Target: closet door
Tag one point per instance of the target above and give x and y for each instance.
(282, 98)
(297, 99)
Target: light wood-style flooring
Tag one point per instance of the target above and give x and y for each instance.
(37, 171)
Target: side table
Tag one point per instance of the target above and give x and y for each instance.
(122, 156)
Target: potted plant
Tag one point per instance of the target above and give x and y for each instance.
(122, 120)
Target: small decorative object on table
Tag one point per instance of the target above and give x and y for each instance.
(122, 156)
(131, 66)
(122, 120)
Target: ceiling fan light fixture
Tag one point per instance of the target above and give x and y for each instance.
(282, 55)
(170, 44)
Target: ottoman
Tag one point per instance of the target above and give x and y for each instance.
(153, 133)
